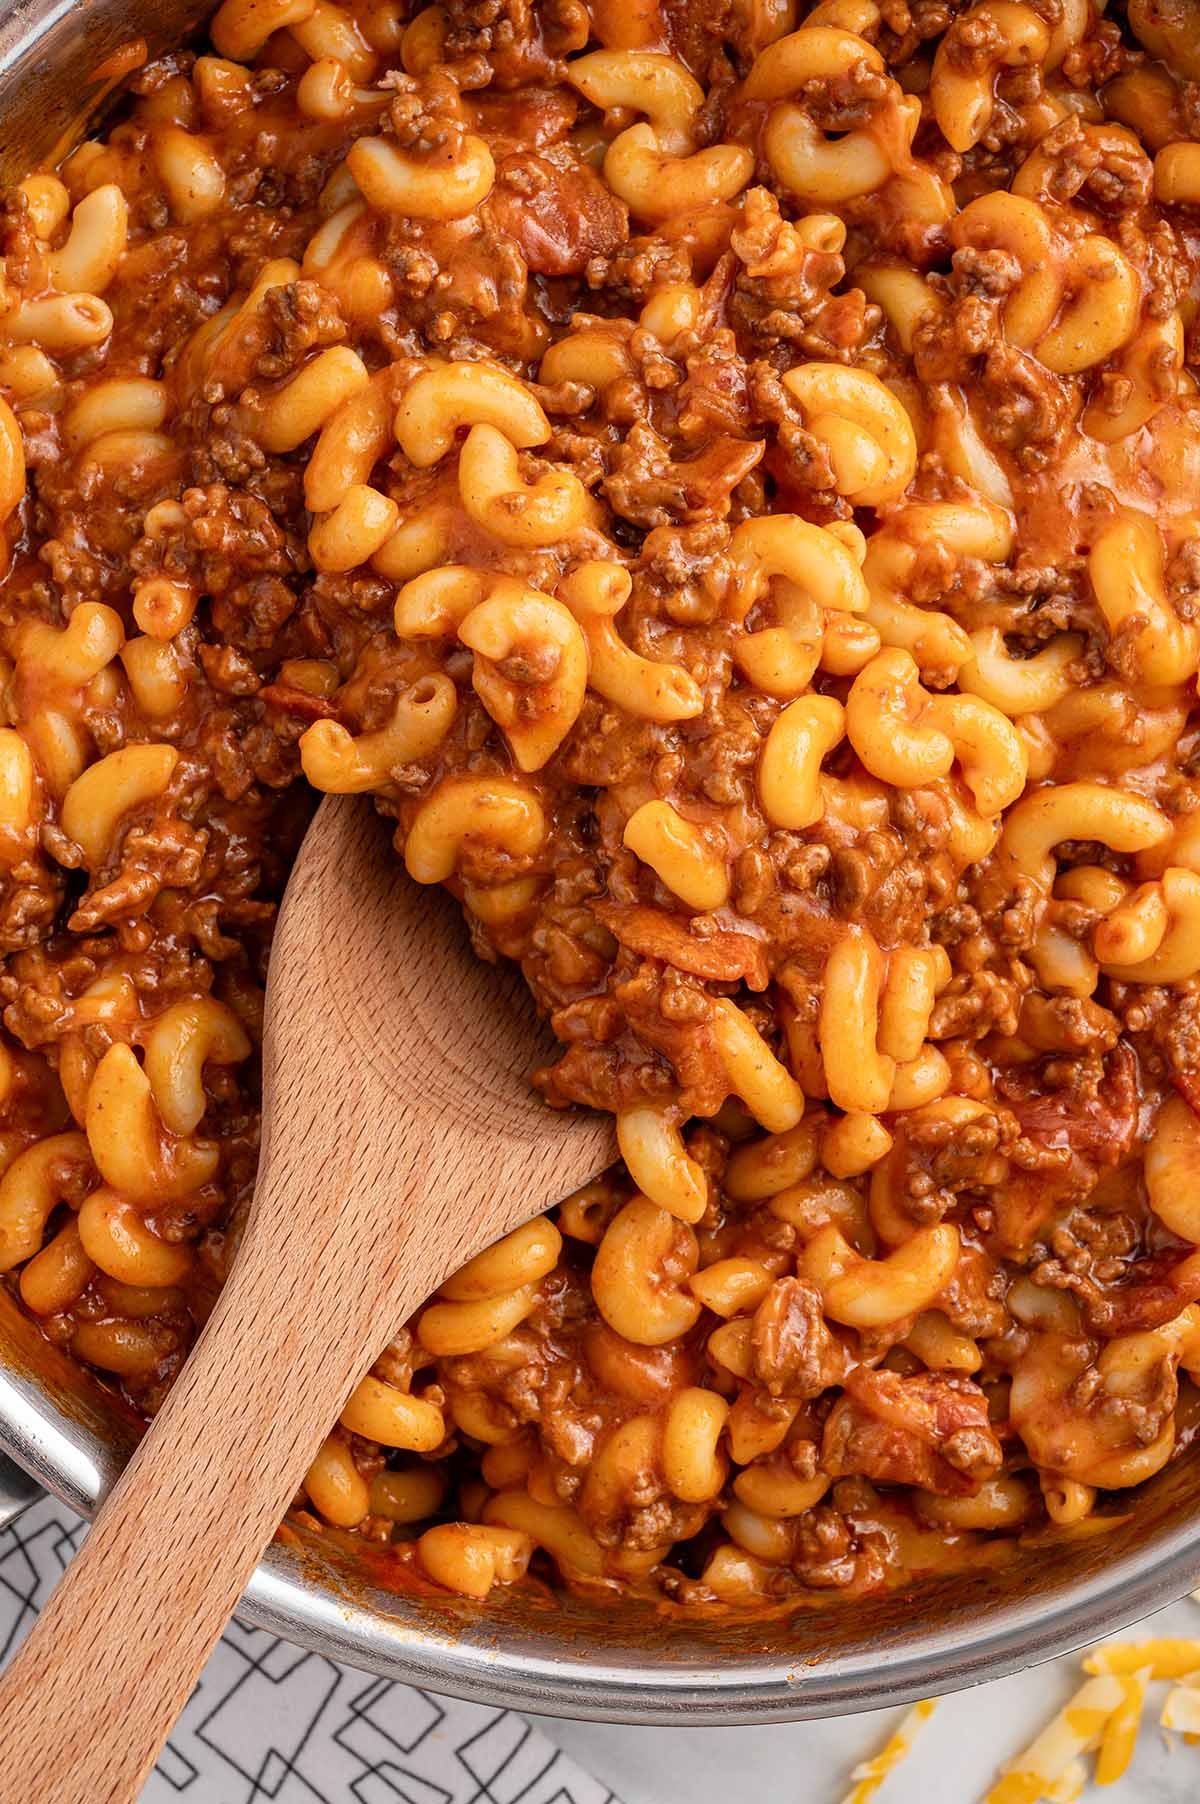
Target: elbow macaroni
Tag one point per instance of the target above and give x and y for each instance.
(758, 575)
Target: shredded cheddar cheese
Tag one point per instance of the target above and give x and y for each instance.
(1181, 1708)
(1077, 1729)
(869, 1775)
(1103, 1718)
(1166, 1659)
(1119, 1737)
(1069, 1784)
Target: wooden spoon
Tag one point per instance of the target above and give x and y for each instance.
(400, 1137)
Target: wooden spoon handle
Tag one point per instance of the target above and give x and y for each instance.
(89, 1699)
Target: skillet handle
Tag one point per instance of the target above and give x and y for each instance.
(17, 1491)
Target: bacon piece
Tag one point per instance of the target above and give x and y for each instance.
(1153, 1294)
(725, 956)
(1188, 1085)
(795, 1354)
(561, 218)
(1099, 1128)
(930, 1430)
(297, 701)
(1090, 1132)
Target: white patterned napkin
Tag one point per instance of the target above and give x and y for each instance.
(271, 1722)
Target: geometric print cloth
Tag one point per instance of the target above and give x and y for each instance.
(269, 1721)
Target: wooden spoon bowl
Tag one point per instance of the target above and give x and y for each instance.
(400, 1137)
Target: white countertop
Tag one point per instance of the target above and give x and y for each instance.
(955, 1759)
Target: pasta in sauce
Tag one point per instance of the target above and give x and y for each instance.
(724, 483)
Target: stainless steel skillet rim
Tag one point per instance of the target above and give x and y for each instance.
(48, 49)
